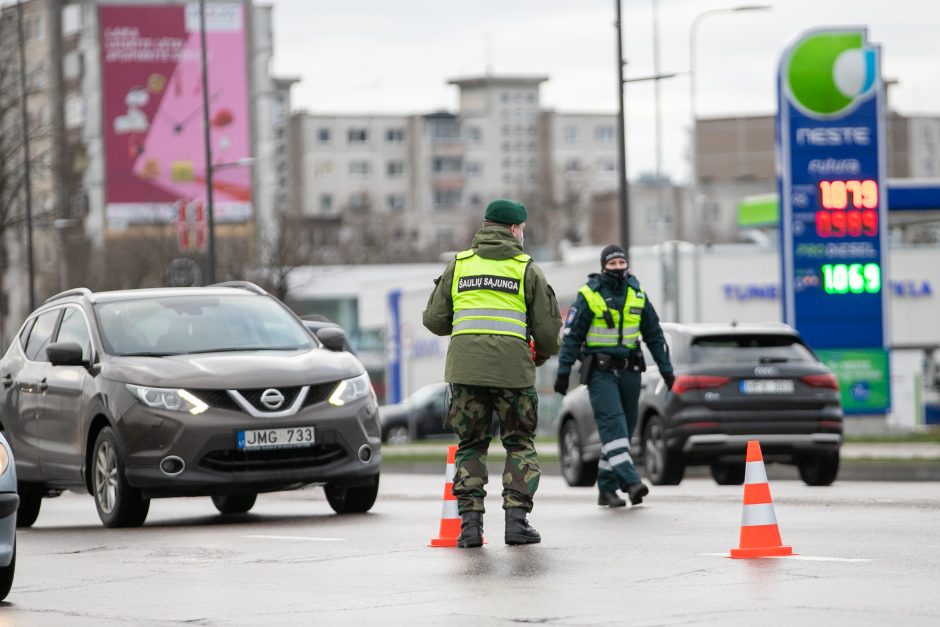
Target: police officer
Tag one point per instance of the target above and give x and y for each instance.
(608, 317)
(492, 300)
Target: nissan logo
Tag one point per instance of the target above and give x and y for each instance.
(766, 371)
(272, 399)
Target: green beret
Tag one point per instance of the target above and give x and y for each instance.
(506, 212)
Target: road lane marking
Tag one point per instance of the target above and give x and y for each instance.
(806, 558)
(307, 538)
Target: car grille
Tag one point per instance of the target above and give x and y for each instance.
(254, 397)
(279, 459)
(222, 400)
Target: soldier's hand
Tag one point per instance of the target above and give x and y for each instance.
(561, 384)
(669, 379)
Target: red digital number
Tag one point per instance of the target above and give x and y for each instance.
(849, 209)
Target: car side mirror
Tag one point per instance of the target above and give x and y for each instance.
(64, 354)
(333, 338)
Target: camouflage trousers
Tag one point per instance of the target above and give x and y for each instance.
(471, 416)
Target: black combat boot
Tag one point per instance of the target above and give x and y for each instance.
(610, 499)
(518, 530)
(471, 530)
(636, 491)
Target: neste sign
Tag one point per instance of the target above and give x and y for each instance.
(830, 149)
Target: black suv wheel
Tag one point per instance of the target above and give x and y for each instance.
(819, 471)
(663, 467)
(576, 472)
(728, 474)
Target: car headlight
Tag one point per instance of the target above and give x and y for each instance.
(165, 398)
(350, 390)
(4, 459)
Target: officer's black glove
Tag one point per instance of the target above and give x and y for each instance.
(561, 384)
(669, 379)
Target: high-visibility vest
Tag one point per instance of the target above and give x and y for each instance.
(612, 327)
(489, 295)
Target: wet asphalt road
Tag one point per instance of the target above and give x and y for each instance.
(869, 555)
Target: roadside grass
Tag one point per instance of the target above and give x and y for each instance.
(928, 436)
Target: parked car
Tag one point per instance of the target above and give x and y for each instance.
(214, 391)
(9, 501)
(420, 416)
(734, 383)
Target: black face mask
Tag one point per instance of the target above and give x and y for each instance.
(619, 274)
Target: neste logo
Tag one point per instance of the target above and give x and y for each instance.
(829, 72)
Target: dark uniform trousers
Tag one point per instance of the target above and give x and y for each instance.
(471, 416)
(614, 398)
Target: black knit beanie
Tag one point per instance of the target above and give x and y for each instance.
(612, 252)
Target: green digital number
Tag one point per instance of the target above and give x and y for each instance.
(856, 278)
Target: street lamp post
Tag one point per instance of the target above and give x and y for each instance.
(622, 189)
(693, 156)
(207, 138)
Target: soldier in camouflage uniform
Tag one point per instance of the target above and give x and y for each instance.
(492, 301)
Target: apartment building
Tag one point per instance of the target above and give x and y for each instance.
(430, 184)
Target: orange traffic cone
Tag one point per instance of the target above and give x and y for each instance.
(450, 519)
(760, 536)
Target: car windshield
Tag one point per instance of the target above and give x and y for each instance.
(750, 349)
(198, 324)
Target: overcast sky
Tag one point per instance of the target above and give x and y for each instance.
(396, 55)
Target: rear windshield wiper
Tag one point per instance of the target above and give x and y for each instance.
(773, 360)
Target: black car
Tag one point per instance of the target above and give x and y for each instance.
(734, 383)
(215, 391)
(419, 416)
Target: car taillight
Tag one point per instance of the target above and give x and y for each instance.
(686, 382)
(827, 380)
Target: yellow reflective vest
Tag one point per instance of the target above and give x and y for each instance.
(611, 327)
(489, 295)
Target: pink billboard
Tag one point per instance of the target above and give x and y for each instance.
(153, 118)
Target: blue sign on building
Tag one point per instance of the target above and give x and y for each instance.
(831, 165)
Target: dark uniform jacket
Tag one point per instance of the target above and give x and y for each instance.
(496, 360)
(580, 317)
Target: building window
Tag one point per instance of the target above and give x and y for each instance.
(72, 65)
(445, 239)
(475, 200)
(446, 198)
(604, 134)
(573, 165)
(358, 136)
(324, 168)
(571, 134)
(359, 168)
(445, 131)
(74, 111)
(533, 131)
(507, 146)
(507, 178)
(606, 165)
(447, 165)
(474, 168)
(474, 134)
(395, 202)
(531, 96)
(395, 135)
(326, 202)
(324, 136)
(507, 130)
(395, 169)
(504, 96)
(359, 200)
